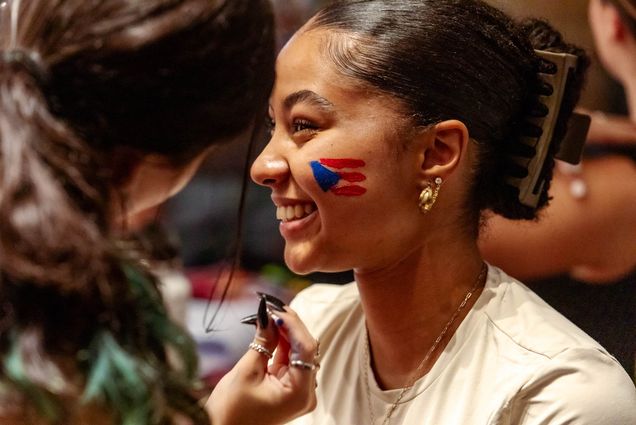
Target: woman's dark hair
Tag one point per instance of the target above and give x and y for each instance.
(82, 82)
(455, 59)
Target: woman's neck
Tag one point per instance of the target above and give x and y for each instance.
(408, 304)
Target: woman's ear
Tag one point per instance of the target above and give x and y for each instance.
(447, 144)
(609, 19)
(618, 30)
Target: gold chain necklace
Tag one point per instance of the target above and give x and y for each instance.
(409, 384)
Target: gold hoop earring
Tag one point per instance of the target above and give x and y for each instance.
(428, 195)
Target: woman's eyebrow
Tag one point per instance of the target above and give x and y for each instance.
(308, 96)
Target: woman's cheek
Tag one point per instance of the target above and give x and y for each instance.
(340, 176)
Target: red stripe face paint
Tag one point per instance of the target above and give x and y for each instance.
(342, 163)
(352, 190)
(329, 180)
(352, 177)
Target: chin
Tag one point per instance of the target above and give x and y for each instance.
(310, 263)
(302, 258)
(300, 266)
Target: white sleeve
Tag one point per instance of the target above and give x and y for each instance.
(577, 387)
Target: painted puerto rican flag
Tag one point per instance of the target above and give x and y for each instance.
(334, 175)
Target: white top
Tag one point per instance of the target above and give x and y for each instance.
(513, 360)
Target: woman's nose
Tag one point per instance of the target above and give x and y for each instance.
(269, 169)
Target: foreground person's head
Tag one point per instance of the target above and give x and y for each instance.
(102, 104)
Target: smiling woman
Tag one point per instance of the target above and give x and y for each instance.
(426, 113)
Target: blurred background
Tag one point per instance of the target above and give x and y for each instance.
(197, 230)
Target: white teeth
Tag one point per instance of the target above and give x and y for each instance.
(289, 213)
(299, 211)
(294, 212)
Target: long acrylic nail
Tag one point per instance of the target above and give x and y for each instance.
(272, 301)
(249, 320)
(263, 318)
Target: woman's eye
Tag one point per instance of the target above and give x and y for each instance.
(303, 126)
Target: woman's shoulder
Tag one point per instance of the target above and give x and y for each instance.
(559, 371)
(525, 319)
(578, 385)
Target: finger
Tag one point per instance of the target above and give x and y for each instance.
(281, 356)
(266, 332)
(280, 364)
(303, 347)
(261, 349)
(302, 344)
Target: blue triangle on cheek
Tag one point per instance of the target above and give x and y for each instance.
(325, 178)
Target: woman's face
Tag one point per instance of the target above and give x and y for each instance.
(153, 180)
(343, 175)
